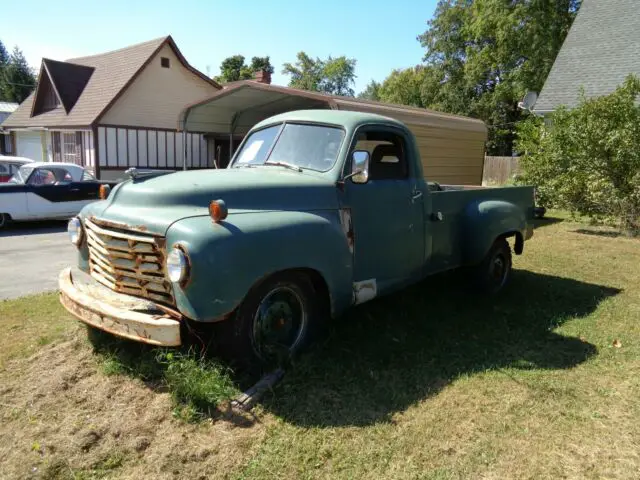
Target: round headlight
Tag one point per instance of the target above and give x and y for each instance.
(74, 229)
(177, 265)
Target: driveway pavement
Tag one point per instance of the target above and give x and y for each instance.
(31, 256)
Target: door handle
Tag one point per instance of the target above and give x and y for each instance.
(75, 189)
(416, 195)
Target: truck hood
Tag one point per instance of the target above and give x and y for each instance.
(153, 204)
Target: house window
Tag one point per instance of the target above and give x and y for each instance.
(164, 61)
(70, 149)
(67, 147)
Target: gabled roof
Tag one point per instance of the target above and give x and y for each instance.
(67, 79)
(601, 49)
(241, 104)
(112, 73)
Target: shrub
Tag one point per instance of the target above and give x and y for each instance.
(587, 159)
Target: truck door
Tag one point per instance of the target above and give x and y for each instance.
(387, 212)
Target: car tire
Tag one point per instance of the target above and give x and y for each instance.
(276, 321)
(5, 219)
(493, 273)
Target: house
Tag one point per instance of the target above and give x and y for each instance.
(114, 110)
(6, 140)
(601, 49)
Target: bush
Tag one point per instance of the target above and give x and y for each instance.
(587, 159)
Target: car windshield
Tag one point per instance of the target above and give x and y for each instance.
(313, 147)
(21, 175)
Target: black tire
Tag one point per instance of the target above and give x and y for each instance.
(493, 273)
(5, 219)
(241, 339)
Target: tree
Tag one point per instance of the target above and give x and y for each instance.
(371, 91)
(489, 53)
(17, 80)
(4, 55)
(587, 159)
(335, 76)
(234, 68)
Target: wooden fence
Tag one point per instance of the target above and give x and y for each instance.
(499, 170)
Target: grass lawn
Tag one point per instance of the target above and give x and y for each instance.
(540, 382)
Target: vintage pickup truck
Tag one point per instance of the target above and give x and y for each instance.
(317, 211)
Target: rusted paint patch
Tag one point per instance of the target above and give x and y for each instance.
(347, 227)
(128, 263)
(149, 327)
(364, 291)
(119, 225)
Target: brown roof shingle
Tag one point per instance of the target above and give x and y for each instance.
(113, 72)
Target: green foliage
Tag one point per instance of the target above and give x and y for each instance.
(17, 80)
(371, 91)
(4, 55)
(335, 76)
(481, 57)
(234, 68)
(198, 385)
(587, 159)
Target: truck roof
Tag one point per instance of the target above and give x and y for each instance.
(345, 118)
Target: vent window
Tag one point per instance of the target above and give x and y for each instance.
(164, 61)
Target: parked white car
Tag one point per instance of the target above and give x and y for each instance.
(47, 191)
(10, 165)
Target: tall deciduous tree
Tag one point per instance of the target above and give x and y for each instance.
(335, 76)
(481, 57)
(17, 80)
(234, 68)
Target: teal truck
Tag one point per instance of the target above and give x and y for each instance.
(317, 211)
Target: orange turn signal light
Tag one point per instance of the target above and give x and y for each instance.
(104, 191)
(218, 210)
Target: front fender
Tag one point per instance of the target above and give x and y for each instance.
(229, 257)
(484, 222)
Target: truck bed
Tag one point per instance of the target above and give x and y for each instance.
(455, 202)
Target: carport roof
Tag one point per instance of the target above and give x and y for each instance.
(240, 105)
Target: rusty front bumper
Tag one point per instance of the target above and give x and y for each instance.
(116, 313)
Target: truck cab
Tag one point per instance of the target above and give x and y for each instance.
(317, 211)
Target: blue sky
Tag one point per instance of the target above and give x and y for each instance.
(381, 35)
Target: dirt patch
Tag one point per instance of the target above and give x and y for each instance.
(63, 418)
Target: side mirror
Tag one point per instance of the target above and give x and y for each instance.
(359, 167)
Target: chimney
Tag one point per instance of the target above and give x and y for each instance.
(262, 76)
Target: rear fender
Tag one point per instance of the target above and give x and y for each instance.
(228, 258)
(486, 221)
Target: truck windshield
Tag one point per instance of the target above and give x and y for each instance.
(313, 147)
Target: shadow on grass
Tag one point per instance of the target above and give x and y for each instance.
(388, 354)
(601, 233)
(546, 221)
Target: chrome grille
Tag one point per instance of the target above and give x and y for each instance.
(128, 263)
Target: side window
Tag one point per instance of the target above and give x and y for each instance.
(42, 176)
(387, 152)
(3, 169)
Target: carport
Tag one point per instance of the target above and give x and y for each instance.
(230, 113)
(451, 146)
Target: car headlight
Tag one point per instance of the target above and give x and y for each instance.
(74, 229)
(177, 265)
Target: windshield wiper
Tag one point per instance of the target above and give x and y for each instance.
(284, 164)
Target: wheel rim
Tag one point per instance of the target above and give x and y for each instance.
(279, 322)
(498, 270)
